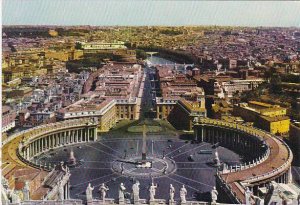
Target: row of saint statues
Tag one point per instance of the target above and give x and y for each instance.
(136, 192)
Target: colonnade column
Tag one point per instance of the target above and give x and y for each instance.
(42, 148)
(95, 134)
(58, 139)
(66, 191)
(40, 145)
(76, 135)
(64, 138)
(30, 150)
(201, 132)
(49, 141)
(52, 140)
(289, 175)
(68, 137)
(35, 147)
(46, 142)
(61, 138)
(26, 152)
(79, 135)
(87, 134)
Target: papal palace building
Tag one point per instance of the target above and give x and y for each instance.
(117, 96)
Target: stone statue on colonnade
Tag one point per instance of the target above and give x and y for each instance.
(26, 191)
(248, 196)
(136, 192)
(103, 189)
(172, 193)
(152, 191)
(89, 192)
(60, 192)
(122, 189)
(214, 195)
(183, 193)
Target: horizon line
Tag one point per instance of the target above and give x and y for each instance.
(151, 25)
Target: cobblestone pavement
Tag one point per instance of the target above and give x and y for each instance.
(97, 158)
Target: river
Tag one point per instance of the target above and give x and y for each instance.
(159, 60)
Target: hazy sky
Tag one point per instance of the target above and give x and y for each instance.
(139, 12)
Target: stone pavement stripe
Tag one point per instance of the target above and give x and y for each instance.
(182, 183)
(188, 151)
(114, 156)
(93, 180)
(185, 144)
(109, 148)
(194, 180)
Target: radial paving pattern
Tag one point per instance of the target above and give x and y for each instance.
(110, 162)
(155, 166)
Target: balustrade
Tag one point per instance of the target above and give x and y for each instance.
(240, 136)
(46, 137)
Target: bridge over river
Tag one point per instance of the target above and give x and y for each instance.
(158, 61)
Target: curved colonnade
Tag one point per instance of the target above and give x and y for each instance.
(54, 136)
(270, 157)
(21, 148)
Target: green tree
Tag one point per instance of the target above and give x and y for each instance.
(78, 45)
(140, 54)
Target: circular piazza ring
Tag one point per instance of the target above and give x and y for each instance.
(132, 166)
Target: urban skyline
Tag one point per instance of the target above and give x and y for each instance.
(97, 114)
(138, 13)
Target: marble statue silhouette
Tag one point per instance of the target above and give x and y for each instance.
(136, 191)
(172, 193)
(89, 192)
(214, 195)
(248, 196)
(122, 189)
(103, 189)
(152, 191)
(183, 193)
(26, 190)
(60, 191)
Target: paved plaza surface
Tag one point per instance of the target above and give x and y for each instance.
(98, 159)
